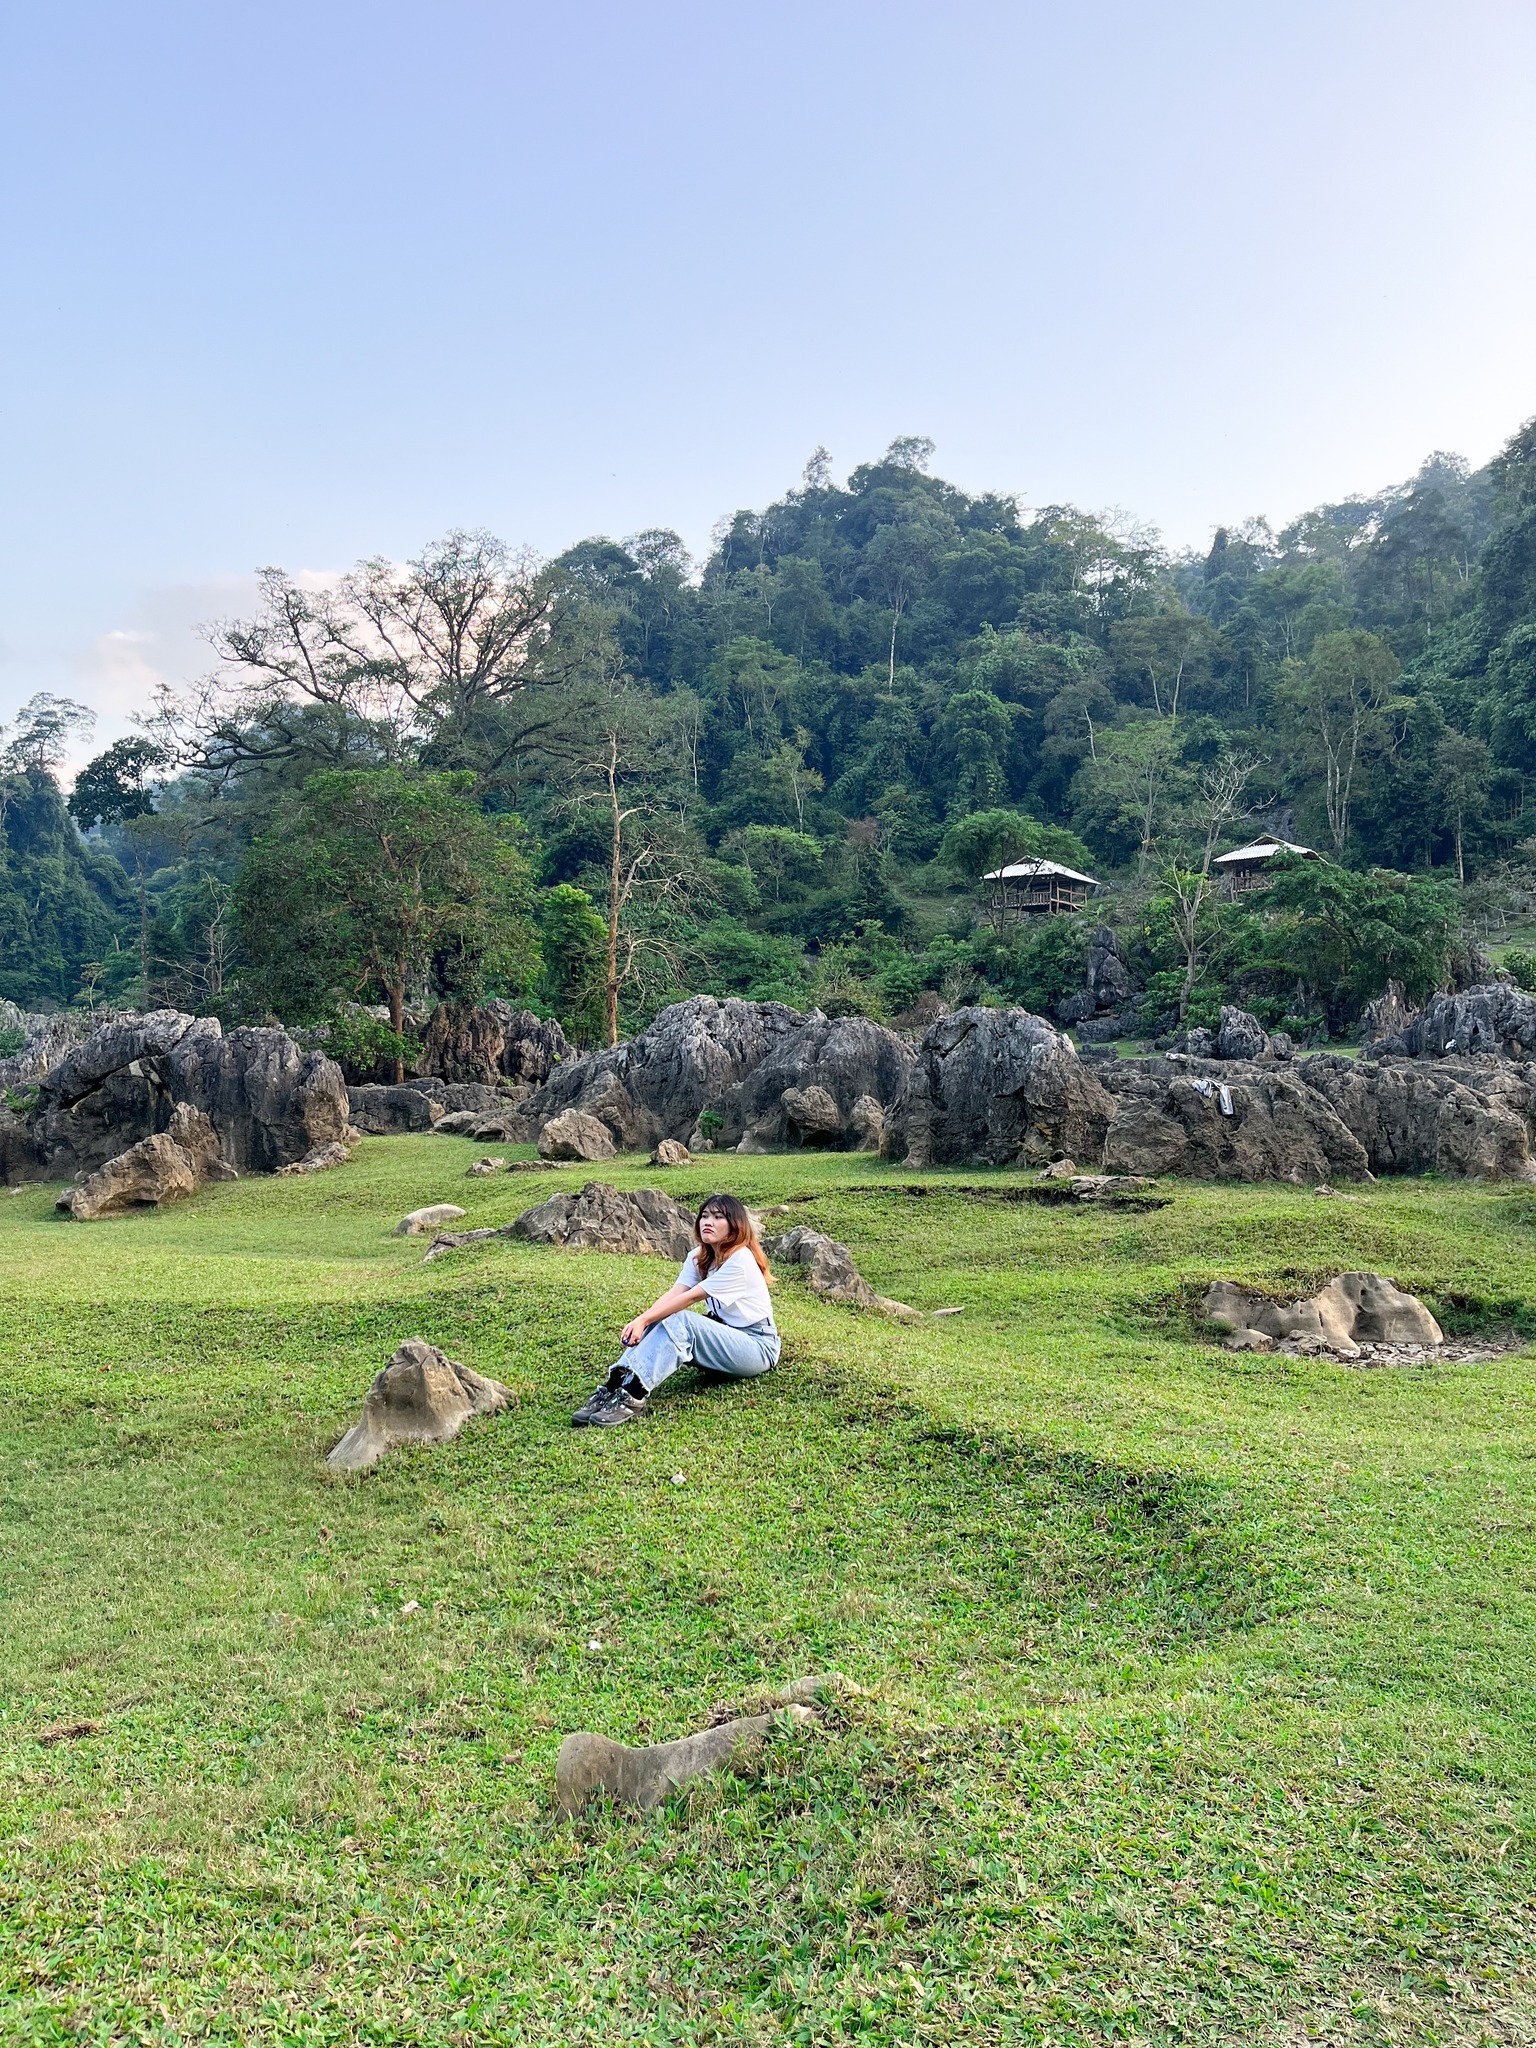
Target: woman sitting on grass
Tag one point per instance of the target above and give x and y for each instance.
(735, 1335)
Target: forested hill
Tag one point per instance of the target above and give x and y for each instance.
(782, 772)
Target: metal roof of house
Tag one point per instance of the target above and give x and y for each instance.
(1034, 870)
(1262, 849)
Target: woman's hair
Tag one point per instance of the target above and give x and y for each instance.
(739, 1233)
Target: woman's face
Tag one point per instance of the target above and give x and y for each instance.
(713, 1227)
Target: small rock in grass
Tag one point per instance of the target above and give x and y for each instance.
(484, 1168)
(590, 1764)
(431, 1218)
(679, 1479)
(670, 1153)
(411, 1607)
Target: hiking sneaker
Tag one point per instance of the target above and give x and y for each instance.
(609, 1407)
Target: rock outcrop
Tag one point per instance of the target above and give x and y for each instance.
(737, 1059)
(600, 1219)
(420, 1221)
(166, 1167)
(996, 1087)
(421, 1397)
(1352, 1310)
(492, 1043)
(574, 1134)
(1495, 1017)
(828, 1270)
(1234, 1122)
(1004, 1088)
(590, 1766)
(394, 1110)
(269, 1103)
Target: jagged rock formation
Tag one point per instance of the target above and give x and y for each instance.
(270, 1103)
(829, 1271)
(166, 1167)
(1495, 1017)
(1352, 1310)
(492, 1043)
(421, 1397)
(737, 1059)
(995, 1087)
(601, 1219)
(1235, 1122)
(1002, 1087)
(1107, 982)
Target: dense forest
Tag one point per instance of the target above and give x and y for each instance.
(595, 783)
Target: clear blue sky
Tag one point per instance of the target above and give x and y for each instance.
(296, 284)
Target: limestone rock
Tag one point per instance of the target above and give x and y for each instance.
(167, 1167)
(997, 1087)
(812, 1115)
(490, 1043)
(1109, 978)
(829, 1271)
(1241, 1122)
(866, 1126)
(433, 1217)
(321, 1160)
(600, 1219)
(734, 1058)
(1241, 1036)
(575, 1135)
(1496, 1017)
(1468, 1117)
(484, 1168)
(421, 1397)
(590, 1764)
(1353, 1309)
(1387, 1018)
(670, 1153)
(393, 1111)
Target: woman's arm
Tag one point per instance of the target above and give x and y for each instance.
(676, 1297)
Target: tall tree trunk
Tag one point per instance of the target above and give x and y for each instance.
(394, 994)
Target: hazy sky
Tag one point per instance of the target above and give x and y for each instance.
(296, 284)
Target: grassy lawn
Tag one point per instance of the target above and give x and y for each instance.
(1199, 1689)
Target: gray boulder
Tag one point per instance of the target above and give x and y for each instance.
(997, 1087)
(601, 1219)
(573, 1134)
(1473, 1118)
(431, 1219)
(166, 1167)
(421, 1397)
(1241, 1035)
(590, 1766)
(737, 1059)
(828, 1270)
(394, 1110)
(866, 1126)
(670, 1153)
(1384, 1021)
(1109, 978)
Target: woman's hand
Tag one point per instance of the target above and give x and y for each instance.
(632, 1332)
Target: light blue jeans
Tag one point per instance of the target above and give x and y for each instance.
(718, 1347)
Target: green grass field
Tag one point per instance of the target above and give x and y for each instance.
(1198, 1687)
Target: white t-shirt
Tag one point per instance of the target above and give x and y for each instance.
(737, 1291)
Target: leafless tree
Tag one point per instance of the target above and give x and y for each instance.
(1218, 795)
(388, 663)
